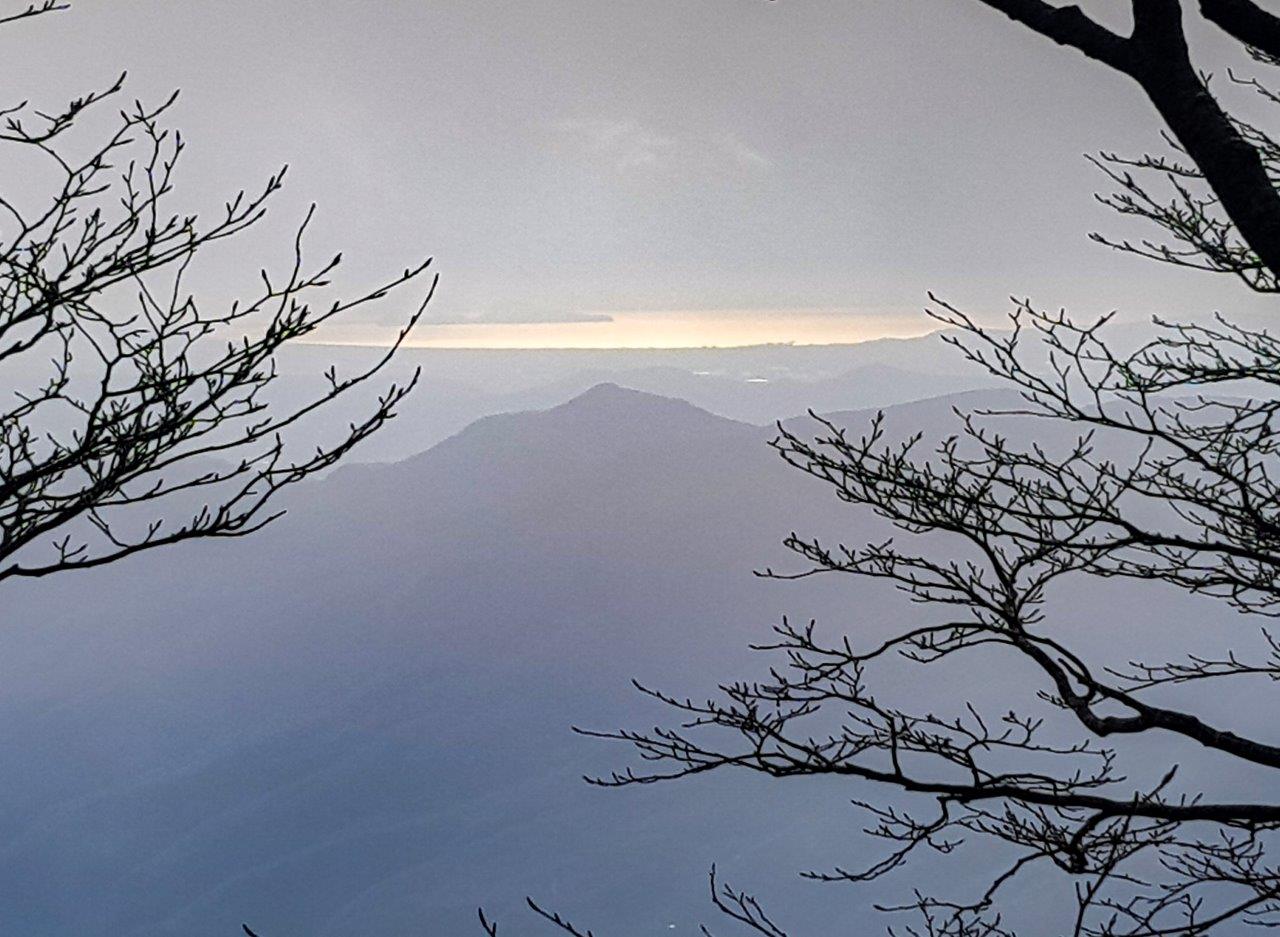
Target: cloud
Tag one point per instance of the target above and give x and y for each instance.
(625, 143)
(747, 156)
(629, 145)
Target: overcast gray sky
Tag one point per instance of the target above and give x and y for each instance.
(727, 160)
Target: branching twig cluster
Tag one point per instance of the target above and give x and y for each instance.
(129, 395)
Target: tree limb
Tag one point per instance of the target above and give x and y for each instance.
(1245, 21)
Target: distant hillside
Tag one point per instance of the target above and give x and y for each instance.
(754, 384)
(357, 722)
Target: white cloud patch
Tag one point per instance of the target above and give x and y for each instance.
(628, 145)
(625, 143)
(746, 156)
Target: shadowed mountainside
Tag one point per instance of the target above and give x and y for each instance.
(358, 721)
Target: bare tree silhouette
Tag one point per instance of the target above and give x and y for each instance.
(1169, 475)
(130, 398)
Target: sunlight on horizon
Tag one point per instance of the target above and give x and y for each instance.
(665, 329)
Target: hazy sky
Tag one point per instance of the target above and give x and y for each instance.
(700, 170)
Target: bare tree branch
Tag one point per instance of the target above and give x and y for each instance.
(1246, 21)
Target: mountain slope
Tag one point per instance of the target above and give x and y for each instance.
(357, 721)
(279, 729)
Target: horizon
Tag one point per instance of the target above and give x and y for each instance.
(656, 330)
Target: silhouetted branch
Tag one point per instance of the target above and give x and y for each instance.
(1068, 26)
(1245, 21)
(132, 406)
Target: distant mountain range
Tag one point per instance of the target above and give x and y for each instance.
(754, 384)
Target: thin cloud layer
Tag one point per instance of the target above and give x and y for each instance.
(628, 145)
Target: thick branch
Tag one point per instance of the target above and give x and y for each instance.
(1231, 166)
(1068, 26)
(1146, 717)
(1246, 21)
(1156, 56)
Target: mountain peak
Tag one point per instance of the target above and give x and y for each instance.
(608, 390)
(611, 397)
(609, 401)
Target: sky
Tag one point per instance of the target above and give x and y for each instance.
(643, 172)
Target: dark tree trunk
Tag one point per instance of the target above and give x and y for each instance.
(1156, 56)
(1232, 167)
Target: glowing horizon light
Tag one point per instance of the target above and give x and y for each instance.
(657, 330)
